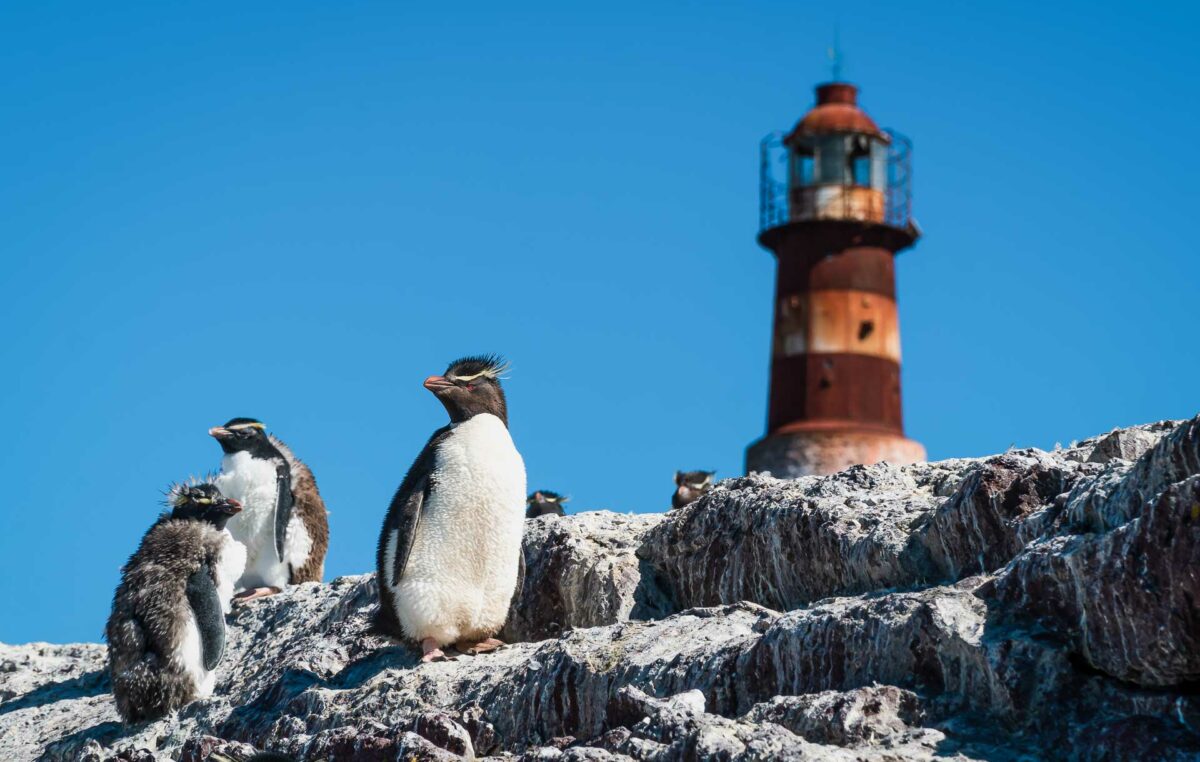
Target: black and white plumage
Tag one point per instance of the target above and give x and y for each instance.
(449, 556)
(166, 633)
(690, 485)
(544, 503)
(284, 525)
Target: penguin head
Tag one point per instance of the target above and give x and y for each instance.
(244, 435)
(544, 502)
(690, 485)
(471, 386)
(202, 502)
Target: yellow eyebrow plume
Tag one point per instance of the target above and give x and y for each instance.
(487, 373)
(241, 426)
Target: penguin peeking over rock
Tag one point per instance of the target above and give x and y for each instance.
(690, 486)
(284, 524)
(166, 633)
(449, 557)
(544, 503)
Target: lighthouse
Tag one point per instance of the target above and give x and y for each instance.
(835, 209)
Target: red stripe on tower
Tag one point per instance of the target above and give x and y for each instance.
(836, 208)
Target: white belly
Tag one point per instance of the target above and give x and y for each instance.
(462, 571)
(189, 657)
(252, 482)
(231, 564)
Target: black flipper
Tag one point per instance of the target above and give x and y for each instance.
(284, 501)
(210, 619)
(407, 519)
(405, 511)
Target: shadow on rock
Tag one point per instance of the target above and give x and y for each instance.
(87, 684)
(104, 734)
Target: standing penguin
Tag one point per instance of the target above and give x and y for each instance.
(166, 632)
(544, 503)
(449, 557)
(690, 486)
(284, 525)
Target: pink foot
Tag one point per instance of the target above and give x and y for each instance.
(256, 592)
(431, 652)
(480, 647)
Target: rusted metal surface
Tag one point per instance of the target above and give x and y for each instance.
(862, 268)
(837, 111)
(837, 321)
(832, 236)
(801, 453)
(837, 202)
(839, 387)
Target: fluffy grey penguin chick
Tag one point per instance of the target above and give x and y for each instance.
(545, 503)
(689, 486)
(166, 632)
(284, 526)
(449, 556)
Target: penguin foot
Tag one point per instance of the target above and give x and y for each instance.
(256, 592)
(430, 652)
(481, 647)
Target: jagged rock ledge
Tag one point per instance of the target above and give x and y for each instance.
(1028, 605)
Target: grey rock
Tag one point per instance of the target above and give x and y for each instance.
(785, 544)
(581, 571)
(1124, 599)
(675, 728)
(1029, 605)
(1123, 489)
(1124, 444)
(870, 715)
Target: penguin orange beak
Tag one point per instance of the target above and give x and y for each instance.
(219, 431)
(436, 384)
(232, 506)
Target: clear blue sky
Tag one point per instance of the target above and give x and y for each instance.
(298, 211)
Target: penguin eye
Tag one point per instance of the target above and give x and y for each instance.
(471, 386)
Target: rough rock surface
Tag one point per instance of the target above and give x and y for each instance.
(582, 571)
(1029, 605)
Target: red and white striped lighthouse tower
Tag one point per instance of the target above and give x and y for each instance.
(835, 209)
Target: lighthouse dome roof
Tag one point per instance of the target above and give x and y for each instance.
(836, 111)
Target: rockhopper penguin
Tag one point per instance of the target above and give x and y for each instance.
(544, 503)
(689, 486)
(449, 557)
(284, 525)
(166, 632)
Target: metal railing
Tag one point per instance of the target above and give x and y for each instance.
(897, 207)
(777, 207)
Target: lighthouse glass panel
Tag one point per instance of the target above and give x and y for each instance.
(802, 167)
(831, 160)
(878, 164)
(860, 169)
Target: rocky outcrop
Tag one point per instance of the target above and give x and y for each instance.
(787, 543)
(1120, 581)
(1032, 604)
(582, 571)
